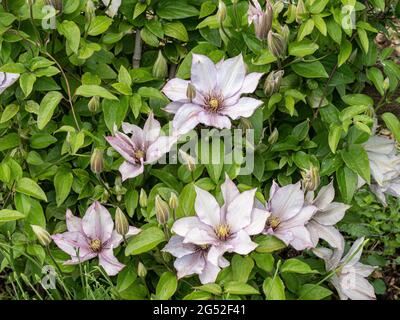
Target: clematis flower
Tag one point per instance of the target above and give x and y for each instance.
(288, 216)
(384, 162)
(192, 259)
(7, 80)
(327, 215)
(92, 236)
(213, 95)
(262, 20)
(144, 147)
(349, 276)
(112, 8)
(223, 229)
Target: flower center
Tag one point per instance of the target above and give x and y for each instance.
(204, 246)
(139, 154)
(222, 231)
(213, 102)
(95, 245)
(273, 222)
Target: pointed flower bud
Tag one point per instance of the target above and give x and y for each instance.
(262, 20)
(162, 210)
(141, 270)
(160, 67)
(273, 82)
(276, 44)
(191, 92)
(221, 13)
(188, 160)
(42, 235)
(143, 198)
(311, 178)
(121, 222)
(173, 201)
(94, 104)
(301, 11)
(96, 161)
(273, 137)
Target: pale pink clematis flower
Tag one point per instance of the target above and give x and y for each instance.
(223, 229)
(289, 215)
(349, 276)
(7, 80)
(145, 146)
(112, 8)
(328, 214)
(262, 20)
(213, 95)
(192, 259)
(92, 236)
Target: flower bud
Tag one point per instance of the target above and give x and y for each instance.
(143, 198)
(245, 124)
(90, 8)
(42, 235)
(188, 160)
(276, 44)
(141, 270)
(221, 13)
(162, 210)
(273, 82)
(273, 136)
(56, 4)
(94, 104)
(121, 222)
(191, 92)
(311, 178)
(300, 11)
(262, 20)
(160, 67)
(173, 201)
(386, 84)
(96, 161)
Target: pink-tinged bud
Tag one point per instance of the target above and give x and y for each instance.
(273, 136)
(301, 11)
(94, 104)
(143, 198)
(173, 201)
(188, 160)
(121, 222)
(276, 44)
(311, 178)
(162, 210)
(273, 82)
(262, 20)
(96, 161)
(190, 92)
(42, 235)
(160, 67)
(221, 13)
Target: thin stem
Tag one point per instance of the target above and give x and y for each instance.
(137, 54)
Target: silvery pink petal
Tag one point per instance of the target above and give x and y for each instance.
(238, 212)
(223, 263)
(136, 132)
(186, 118)
(355, 287)
(123, 145)
(214, 120)
(250, 82)
(200, 237)
(325, 196)
(184, 225)
(258, 219)
(229, 190)
(328, 233)
(109, 262)
(173, 107)
(274, 188)
(242, 243)
(177, 248)
(301, 218)
(114, 241)
(283, 234)
(354, 254)
(71, 243)
(7, 80)
(129, 170)
(151, 129)
(159, 147)
(209, 273)
(203, 75)
(77, 260)
(73, 223)
(336, 283)
(363, 269)
(190, 264)
(378, 192)
(112, 9)
(287, 201)
(97, 222)
(207, 208)
(230, 76)
(326, 255)
(132, 231)
(175, 90)
(333, 213)
(245, 107)
(380, 144)
(301, 238)
(215, 253)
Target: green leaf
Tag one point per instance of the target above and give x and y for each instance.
(71, 32)
(10, 215)
(9, 112)
(335, 133)
(26, 82)
(176, 30)
(313, 292)
(211, 288)
(334, 31)
(362, 35)
(305, 29)
(139, 9)
(172, 9)
(166, 286)
(115, 111)
(274, 289)
(296, 266)
(235, 287)
(358, 99)
(9, 141)
(356, 158)
(347, 182)
(145, 241)
(302, 48)
(345, 52)
(310, 69)
(393, 123)
(99, 25)
(30, 188)
(47, 107)
(63, 183)
(241, 268)
(268, 244)
(320, 24)
(264, 261)
(91, 90)
(186, 201)
(375, 75)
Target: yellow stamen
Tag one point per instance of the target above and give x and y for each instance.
(95, 245)
(273, 222)
(139, 154)
(222, 231)
(214, 104)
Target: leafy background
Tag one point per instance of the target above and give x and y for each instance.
(92, 71)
